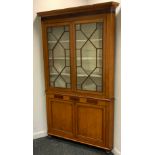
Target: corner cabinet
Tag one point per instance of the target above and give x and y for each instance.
(78, 47)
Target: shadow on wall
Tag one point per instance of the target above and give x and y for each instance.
(39, 100)
(37, 32)
(117, 113)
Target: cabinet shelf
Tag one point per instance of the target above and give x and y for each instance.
(78, 75)
(60, 58)
(83, 58)
(67, 41)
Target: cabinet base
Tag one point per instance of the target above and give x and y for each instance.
(107, 150)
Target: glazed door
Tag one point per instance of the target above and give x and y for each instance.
(75, 53)
(89, 56)
(58, 46)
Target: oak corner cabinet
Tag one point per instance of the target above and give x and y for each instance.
(78, 47)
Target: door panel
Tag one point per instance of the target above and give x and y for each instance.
(62, 116)
(89, 63)
(59, 56)
(91, 121)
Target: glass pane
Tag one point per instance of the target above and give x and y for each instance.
(89, 50)
(59, 56)
(89, 85)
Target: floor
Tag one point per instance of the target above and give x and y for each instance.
(57, 146)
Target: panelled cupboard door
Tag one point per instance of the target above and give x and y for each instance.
(61, 118)
(91, 123)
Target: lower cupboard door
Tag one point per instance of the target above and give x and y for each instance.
(61, 118)
(91, 124)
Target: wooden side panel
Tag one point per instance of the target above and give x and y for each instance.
(45, 55)
(111, 125)
(110, 49)
(110, 53)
